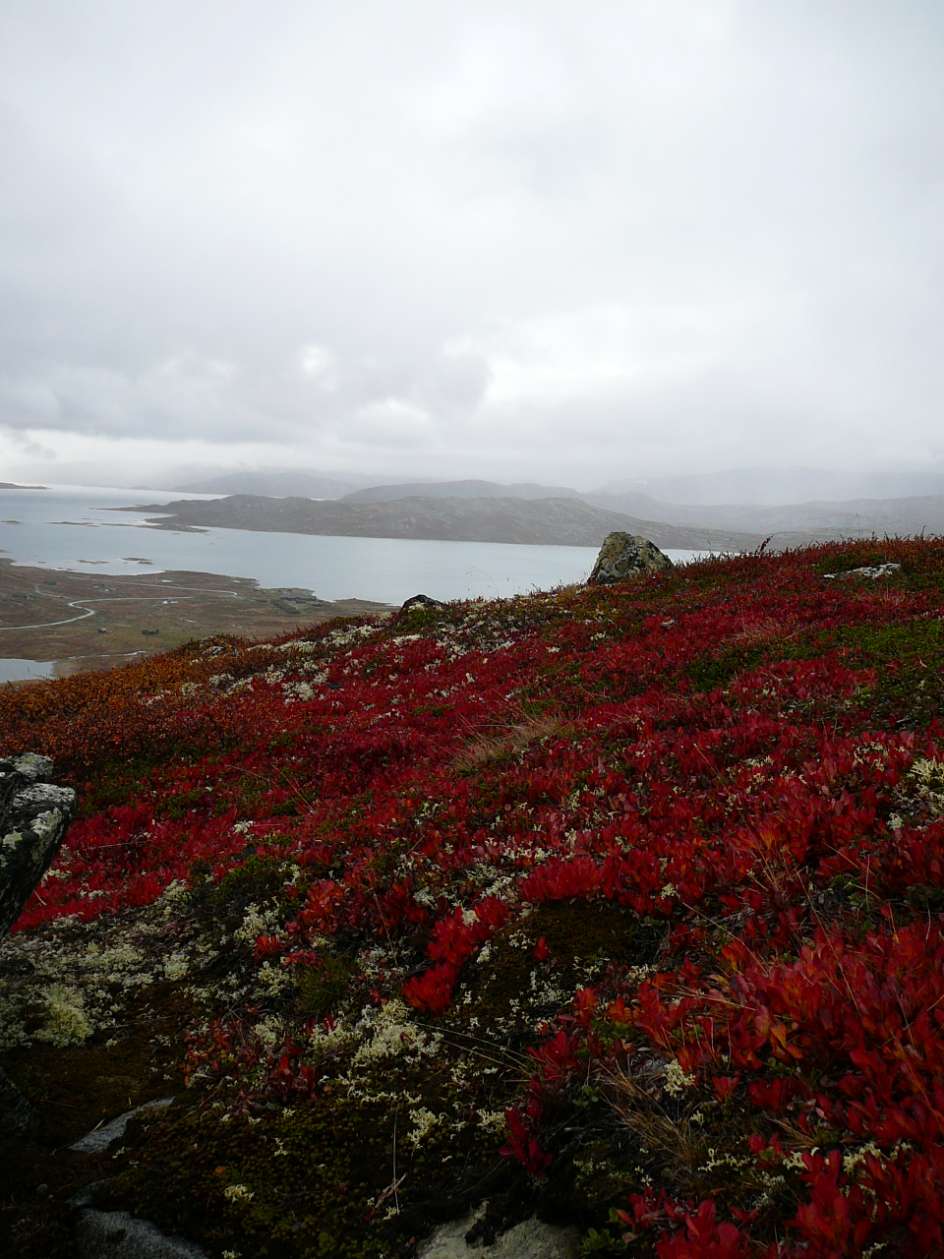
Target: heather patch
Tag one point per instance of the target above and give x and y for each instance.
(623, 905)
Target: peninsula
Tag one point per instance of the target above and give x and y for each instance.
(543, 521)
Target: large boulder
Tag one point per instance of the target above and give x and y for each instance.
(34, 815)
(626, 555)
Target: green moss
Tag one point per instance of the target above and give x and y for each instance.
(321, 988)
(73, 1089)
(178, 806)
(316, 1177)
(909, 659)
(853, 556)
(717, 669)
(909, 662)
(579, 943)
(260, 878)
(420, 620)
(602, 1244)
(310, 1180)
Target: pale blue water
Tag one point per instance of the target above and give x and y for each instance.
(13, 670)
(387, 570)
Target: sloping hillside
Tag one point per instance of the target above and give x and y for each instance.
(549, 521)
(798, 523)
(623, 906)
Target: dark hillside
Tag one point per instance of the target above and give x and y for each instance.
(545, 521)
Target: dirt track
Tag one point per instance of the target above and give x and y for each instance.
(116, 617)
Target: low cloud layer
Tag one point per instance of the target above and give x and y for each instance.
(518, 240)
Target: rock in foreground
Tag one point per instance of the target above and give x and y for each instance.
(33, 818)
(626, 555)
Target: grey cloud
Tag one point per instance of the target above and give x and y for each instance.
(664, 236)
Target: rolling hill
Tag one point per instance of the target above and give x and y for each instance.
(550, 521)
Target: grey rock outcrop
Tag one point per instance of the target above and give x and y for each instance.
(626, 555)
(100, 1138)
(34, 815)
(117, 1235)
(527, 1240)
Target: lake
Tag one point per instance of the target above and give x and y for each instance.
(14, 670)
(387, 570)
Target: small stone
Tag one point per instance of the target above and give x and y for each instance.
(624, 556)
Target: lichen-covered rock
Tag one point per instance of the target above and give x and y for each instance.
(626, 555)
(34, 815)
(30, 765)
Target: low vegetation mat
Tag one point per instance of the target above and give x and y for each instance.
(619, 906)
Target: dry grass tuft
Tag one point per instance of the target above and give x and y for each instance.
(490, 749)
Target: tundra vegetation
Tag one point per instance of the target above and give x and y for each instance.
(619, 905)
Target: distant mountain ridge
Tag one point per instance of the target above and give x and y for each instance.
(796, 522)
(459, 489)
(787, 485)
(545, 521)
(788, 524)
(276, 484)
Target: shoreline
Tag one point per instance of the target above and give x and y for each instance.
(58, 617)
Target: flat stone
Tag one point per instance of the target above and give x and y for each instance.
(100, 1138)
(871, 572)
(531, 1239)
(118, 1235)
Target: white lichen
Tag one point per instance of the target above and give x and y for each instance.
(65, 1021)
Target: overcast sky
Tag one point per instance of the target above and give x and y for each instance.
(580, 242)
